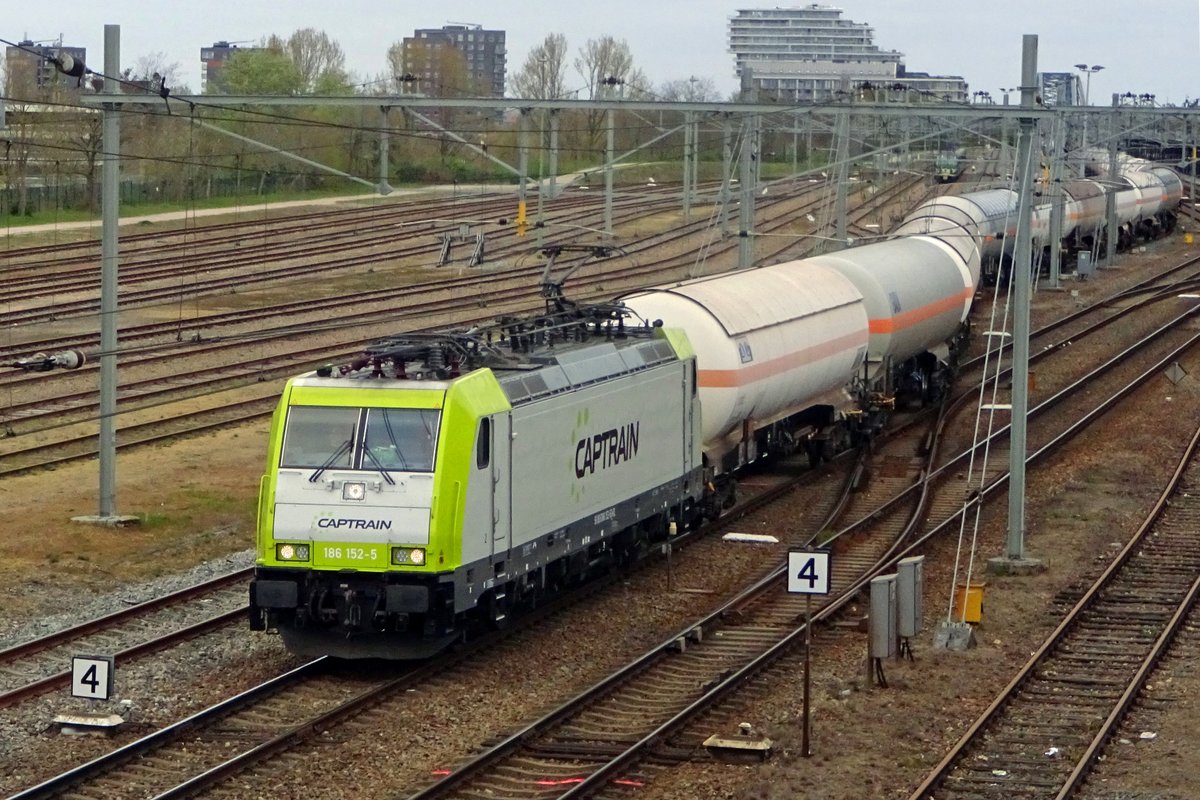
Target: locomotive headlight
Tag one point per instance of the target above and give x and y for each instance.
(291, 552)
(414, 556)
(354, 490)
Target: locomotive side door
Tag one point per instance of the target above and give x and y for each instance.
(501, 483)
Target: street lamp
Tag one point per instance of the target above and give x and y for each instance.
(1006, 91)
(1087, 92)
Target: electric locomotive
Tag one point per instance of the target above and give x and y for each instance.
(443, 480)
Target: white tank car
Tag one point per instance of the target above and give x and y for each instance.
(1172, 187)
(1084, 208)
(769, 342)
(917, 292)
(1147, 194)
(990, 214)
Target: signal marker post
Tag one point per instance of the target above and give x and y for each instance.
(808, 574)
(92, 677)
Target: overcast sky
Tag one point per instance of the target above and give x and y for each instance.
(1149, 46)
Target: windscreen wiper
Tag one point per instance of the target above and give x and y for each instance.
(345, 447)
(378, 465)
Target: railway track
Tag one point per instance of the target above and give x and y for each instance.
(1044, 733)
(243, 733)
(40, 413)
(34, 667)
(160, 280)
(712, 669)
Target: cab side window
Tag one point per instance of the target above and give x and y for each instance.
(483, 445)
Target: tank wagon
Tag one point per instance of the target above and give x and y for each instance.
(1145, 197)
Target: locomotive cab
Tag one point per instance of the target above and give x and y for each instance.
(359, 509)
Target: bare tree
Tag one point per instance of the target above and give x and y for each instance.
(316, 56)
(604, 64)
(155, 70)
(690, 90)
(21, 89)
(543, 75)
(399, 81)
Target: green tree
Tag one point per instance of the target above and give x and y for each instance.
(319, 60)
(263, 71)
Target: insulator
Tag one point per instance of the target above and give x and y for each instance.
(436, 360)
(40, 362)
(69, 65)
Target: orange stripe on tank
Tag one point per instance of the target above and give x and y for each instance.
(907, 319)
(757, 371)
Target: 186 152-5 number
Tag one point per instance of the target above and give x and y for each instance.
(340, 553)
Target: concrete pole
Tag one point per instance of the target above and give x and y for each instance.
(746, 218)
(1057, 197)
(795, 144)
(810, 122)
(843, 170)
(541, 188)
(523, 170)
(1191, 134)
(726, 170)
(1110, 197)
(385, 188)
(1005, 162)
(1083, 159)
(553, 153)
(1022, 261)
(608, 174)
(110, 200)
(695, 181)
(687, 165)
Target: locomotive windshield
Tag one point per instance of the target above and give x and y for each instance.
(401, 438)
(324, 437)
(317, 436)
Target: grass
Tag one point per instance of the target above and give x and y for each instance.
(139, 209)
(637, 174)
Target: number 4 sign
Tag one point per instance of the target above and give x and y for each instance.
(808, 572)
(92, 677)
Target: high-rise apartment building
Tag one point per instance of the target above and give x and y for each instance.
(212, 61)
(456, 60)
(812, 54)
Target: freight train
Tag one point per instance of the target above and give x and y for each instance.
(444, 481)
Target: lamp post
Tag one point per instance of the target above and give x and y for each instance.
(1087, 91)
(1006, 91)
(1089, 71)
